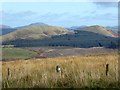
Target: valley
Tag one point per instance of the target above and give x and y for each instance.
(88, 57)
(26, 53)
(59, 45)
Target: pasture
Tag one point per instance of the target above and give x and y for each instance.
(96, 71)
(16, 53)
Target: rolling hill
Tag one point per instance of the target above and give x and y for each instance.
(33, 24)
(5, 29)
(34, 32)
(99, 29)
(83, 39)
(93, 36)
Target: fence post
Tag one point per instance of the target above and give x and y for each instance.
(107, 69)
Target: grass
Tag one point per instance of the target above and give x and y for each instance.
(17, 53)
(77, 72)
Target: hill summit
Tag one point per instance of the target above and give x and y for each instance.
(34, 32)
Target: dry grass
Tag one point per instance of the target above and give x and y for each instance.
(78, 72)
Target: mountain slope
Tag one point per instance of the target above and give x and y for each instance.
(4, 29)
(34, 32)
(98, 29)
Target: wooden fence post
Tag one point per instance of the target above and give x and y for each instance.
(107, 69)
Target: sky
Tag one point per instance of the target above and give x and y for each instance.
(64, 14)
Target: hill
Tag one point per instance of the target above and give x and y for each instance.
(5, 29)
(99, 29)
(83, 39)
(33, 24)
(34, 32)
(93, 36)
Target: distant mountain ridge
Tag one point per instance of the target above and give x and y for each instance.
(4, 29)
(113, 28)
(4, 26)
(76, 27)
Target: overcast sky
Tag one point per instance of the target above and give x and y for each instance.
(63, 14)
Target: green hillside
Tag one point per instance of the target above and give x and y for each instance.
(34, 32)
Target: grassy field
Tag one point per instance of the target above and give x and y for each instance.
(77, 72)
(17, 53)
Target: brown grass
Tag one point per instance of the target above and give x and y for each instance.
(78, 72)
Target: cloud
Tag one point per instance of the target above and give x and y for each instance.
(106, 4)
(17, 15)
(104, 16)
(16, 18)
(53, 16)
(59, 19)
(69, 19)
(24, 14)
